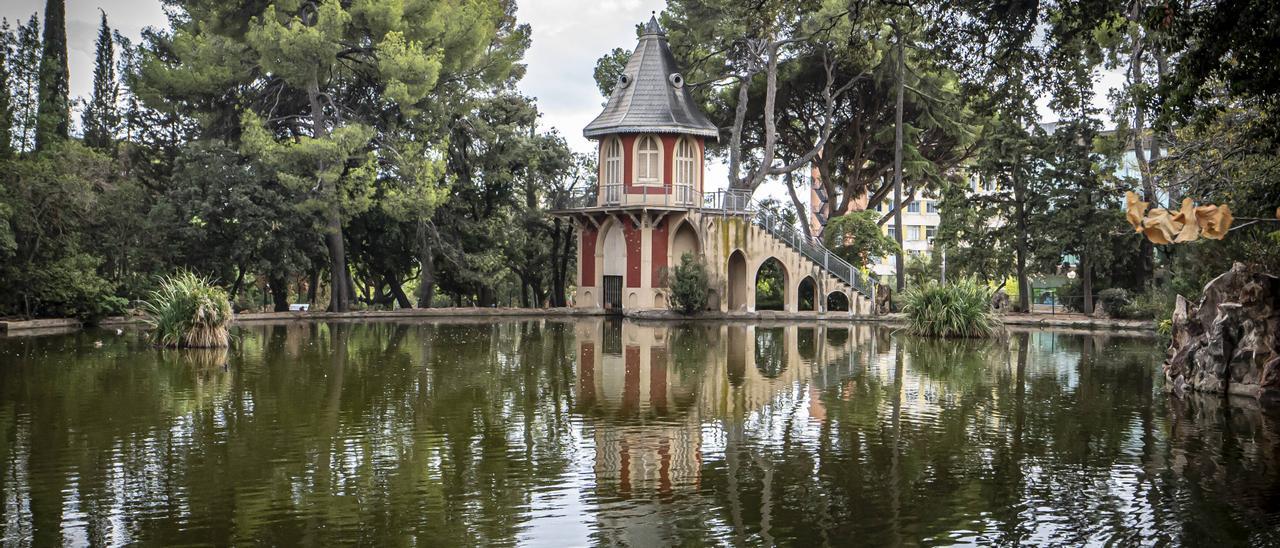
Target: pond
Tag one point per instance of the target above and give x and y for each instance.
(598, 432)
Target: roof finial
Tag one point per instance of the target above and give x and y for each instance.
(652, 27)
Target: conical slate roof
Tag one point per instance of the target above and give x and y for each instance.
(650, 96)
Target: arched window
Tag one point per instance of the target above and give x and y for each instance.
(648, 161)
(612, 161)
(686, 162)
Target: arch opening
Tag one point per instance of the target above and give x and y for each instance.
(837, 302)
(807, 294)
(771, 285)
(737, 281)
(685, 241)
(612, 257)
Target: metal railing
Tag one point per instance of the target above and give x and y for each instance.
(813, 250)
(615, 195)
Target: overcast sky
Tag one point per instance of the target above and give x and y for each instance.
(568, 37)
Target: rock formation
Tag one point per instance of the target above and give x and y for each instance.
(1000, 302)
(884, 299)
(1229, 343)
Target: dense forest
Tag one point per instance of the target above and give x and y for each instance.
(377, 153)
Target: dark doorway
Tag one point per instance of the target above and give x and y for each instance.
(613, 294)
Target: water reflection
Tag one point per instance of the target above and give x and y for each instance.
(602, 432)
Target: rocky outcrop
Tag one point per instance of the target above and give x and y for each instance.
(884, 299)
(1000, 302)
(1229, 343)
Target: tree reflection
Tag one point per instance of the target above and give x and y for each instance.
(595, 431)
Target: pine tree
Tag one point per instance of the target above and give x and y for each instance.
(25, 81)
(53, 117)
(6, 94)
(101, 116)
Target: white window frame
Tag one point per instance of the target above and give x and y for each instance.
(641, 155)
(685, 168)
(611, 161)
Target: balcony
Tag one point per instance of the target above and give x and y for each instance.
(679, 196)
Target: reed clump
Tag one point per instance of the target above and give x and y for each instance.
(189, 311)
(960, 309)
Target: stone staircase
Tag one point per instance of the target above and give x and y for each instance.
(739, 202)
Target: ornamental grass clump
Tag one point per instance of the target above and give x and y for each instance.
(960, 309)
(189, 312)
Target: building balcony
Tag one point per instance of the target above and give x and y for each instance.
(679, 196)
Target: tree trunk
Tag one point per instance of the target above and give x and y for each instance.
(1024, 284)
(279, 293)
(735, 135)
(1146, 253)
(426, 266)
(239, 283)
(313, 283)
(1086, 282)
(800, 210)
(557, 264)
(397, 291)
(339, 280)
(897, 164)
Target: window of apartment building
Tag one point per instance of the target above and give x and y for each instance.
(893, 234)
(913, 207)
(933, 206)
(913, 233)
(931, 232)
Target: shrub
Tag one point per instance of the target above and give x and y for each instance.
(189, 312)
(1115, 301)
(689, 286)
(960, 309)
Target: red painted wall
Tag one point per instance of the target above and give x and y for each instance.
(659, 256)
(632, 234)
(628, 161)
(587, 257)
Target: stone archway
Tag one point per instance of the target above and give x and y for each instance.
(770, 285)
(837, 301)
(739, 285)
(611, 256)
(807, 294)
(684, 240)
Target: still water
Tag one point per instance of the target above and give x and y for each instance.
(603, 433)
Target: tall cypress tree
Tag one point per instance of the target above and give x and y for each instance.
(100, 116)
(53, 119)
(24, 77)
(6, 94)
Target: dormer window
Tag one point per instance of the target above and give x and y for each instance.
(612, 162)
(648, 161)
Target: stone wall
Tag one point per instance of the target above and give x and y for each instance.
(1229, 343)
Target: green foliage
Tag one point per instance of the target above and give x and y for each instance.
(188, 311)
(53, 118)
(959, 309)
(771, 291)
(1115, 300)
(690, 285)
(100, 117)
(608, 68)
(24, 71)
(6, 91)
(49, 201)
(856, 238)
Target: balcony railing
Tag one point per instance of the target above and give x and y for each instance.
(615, 195)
